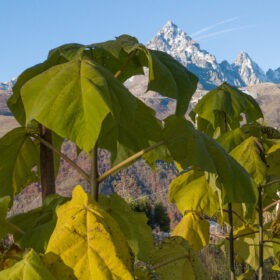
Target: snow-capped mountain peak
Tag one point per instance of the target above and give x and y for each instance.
(249, 71)
(174, 41)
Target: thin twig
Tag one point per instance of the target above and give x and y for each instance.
(271, 205)
(63, 156)
(245, 234)
(134, 157)
(271, 183)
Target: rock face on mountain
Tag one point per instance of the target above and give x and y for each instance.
(248, 70)
(243, 71)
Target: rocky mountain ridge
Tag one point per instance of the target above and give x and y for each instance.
(242, 72)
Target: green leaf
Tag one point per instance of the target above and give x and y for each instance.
(232, 139)
(251, 155)
(247, 248)
(19, 155)
(87, 90)
(273, 161)
(195, 229)
(235, 183)
(231, 102)
(191, 192)
(190, 147)
(31, 267)
(170, 78)
(88, 240)
(174, 259)
(126, 137)
(133, 225)
(186, 144)
(37, 224)
(15, 101)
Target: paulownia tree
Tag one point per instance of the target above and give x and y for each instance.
(78, 94)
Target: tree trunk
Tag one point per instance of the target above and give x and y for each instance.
(46, 164)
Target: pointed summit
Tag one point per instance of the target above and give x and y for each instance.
(249, 71)
(174, 41)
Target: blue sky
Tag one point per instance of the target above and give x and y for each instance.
(30, 28)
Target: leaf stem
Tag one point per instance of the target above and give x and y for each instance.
(63, 156)
(271, 241)
(134, 157)
(18, 229)
(169, 261)
(271, 205)
(120, 71)
(271, 183)
(245, 234)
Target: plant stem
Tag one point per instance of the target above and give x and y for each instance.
(134, 157)
(46, 163)
(245, 234)
(271, 205)
(231, 243)
(271, 183)
(18, 229)
(260, 212)
(94, 184)
(271, 241)
(63, 156)
(119, 72)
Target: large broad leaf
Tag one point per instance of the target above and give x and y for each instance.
(126, 57)
(19, 155)
(126, 137)
(166, 75)
(251, 155)
(186, 144)
(37, 225)
(174, 259)
(235, 137)
(31, 267)
(191, 192)
(232, 139)
(231, 103)
(15, 101)
(87, 90)
(247, 248)
(235, 183)
(170, 78)
(194, 228)
(190, 147)
(88, 240)
(133, 225)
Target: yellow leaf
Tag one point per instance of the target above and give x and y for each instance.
(193, 228)
(88, 240)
